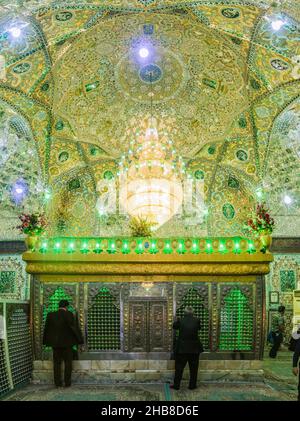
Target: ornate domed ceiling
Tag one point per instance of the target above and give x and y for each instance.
(225, 76)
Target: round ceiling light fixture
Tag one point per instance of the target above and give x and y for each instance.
(15, 31)
(19, 191)
(287, 200)
(143, 52)
(277, 24)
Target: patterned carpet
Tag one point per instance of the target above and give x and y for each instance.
(149, 392)
(271, 391)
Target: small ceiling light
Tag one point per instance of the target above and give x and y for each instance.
(259, 193)
(277, 24)
(15, 32)
(19, 191)
(287, 200)
(144, 52)
(47, 194)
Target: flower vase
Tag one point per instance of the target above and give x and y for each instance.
(30, 241)
(265, 241)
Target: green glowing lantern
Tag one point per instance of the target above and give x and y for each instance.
(209, 248)
(195, 247)
(222, 248)
(139, 249)
(97, 248)
(237, 249)
(84, 249)
(44, 247)
(111, 247)
(167, 248)
(251, 248)
(181, 248)
(71, 248)
(153, 248)
(57, 247)
(125, 248)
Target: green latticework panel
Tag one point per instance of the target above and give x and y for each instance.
(52, 305)
(103, 322)
(7, 282)
(193, 299)
(236, 324)
(287, 280)
(19, 345)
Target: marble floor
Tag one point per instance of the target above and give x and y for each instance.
(279, 384)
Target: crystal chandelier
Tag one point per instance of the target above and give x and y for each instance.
(151, 174)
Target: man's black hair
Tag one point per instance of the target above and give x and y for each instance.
(63, 303)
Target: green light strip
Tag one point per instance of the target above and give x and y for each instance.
(146, 245)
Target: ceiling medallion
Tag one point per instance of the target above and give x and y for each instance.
(150, 73)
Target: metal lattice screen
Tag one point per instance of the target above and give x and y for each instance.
(193, 299)
(19, 343)
(236, 323)
(103, 322)
(53, 301)
(4, 382)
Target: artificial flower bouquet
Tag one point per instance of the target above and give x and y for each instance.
(32, 224)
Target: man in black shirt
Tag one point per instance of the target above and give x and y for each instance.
(295, 365)
(62, 333)
(188, 348)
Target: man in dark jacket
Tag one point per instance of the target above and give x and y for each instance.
(295, 365)
(188, 348)
(62, 333)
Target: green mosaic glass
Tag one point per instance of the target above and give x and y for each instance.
(287, 280)
(103, 323)
(254, 84)
(230, 13)
(7, 282)
(59, 125)
(108, 175)
(91, 86)
(193, 299)
(236, 323)
(211, 150)
(63, 16)
(74, 184)
(94, 151)
(21, 68)
(242, 155)
(210, 83)
(45, 87)
(63, 156)
(236, 40)
(233, 183)
(242, 122)
(199, 175)
(228, 211)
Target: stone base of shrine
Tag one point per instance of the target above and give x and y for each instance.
(150, 371)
